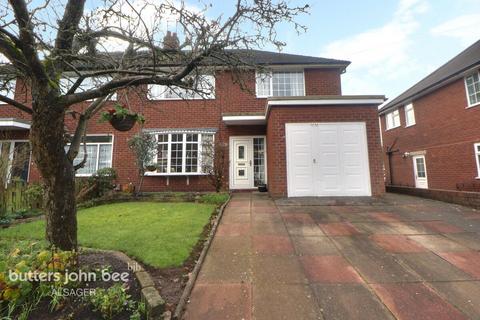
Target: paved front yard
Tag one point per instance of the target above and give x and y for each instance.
(402, 257)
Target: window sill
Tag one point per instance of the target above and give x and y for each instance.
(392, 128)
(179, 99)
(410, 125)
(473, 105)
(156, 174)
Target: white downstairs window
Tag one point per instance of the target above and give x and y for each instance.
(99, 154)
(280, 84)
(393, 119)
(409, 115)
(181, 153)
(472, 84)
(476, 147)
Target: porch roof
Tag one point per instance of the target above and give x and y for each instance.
(14, 124)
(245, 118)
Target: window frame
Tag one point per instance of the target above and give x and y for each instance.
(211, 96)
(469, 105)
(11, 94)
(387, 126)
(270, 73)
(98, 153)
(406, 107)
(476, 152)
(184, 148)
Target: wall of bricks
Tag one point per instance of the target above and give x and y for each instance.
(230, 98)
(446, 130)
(280, 115)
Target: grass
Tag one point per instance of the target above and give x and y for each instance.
(159, 234)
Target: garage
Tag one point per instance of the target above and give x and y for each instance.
(327, 159)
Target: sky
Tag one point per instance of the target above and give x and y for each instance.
(392, 44)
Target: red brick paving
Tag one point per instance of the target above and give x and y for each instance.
(219, 301)
(271, 244)
(329, 269)
(415, 301)
(397, 243)
(339, 229)
(441, 227)
(468, 261)
(233, 229)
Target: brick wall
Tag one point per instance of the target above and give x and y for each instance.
(183, 114)
(446, 130)
(278, 116)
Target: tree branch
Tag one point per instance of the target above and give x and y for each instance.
(16, 104)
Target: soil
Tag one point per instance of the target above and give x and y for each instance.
(75, 308)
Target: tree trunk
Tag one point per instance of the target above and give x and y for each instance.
(47, 136)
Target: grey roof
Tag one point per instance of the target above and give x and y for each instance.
(277, 58)
(450, 71)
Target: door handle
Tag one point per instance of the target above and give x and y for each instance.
(314, 160)
(250, 163)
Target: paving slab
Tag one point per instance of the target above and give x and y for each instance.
(220, 268)
(409, 228)
(432, 267)
(226, 246)
(374, 227)
(278, 269)
(339, 229)
(325, 217)
(233, 229)
(329, 269)
(264, 210)
(397, 243)
(438, 243)
(409, 301)
(272, 244)
(465, 295)
(220, 301)
(349, 301)
(269, 228)
(314, 246)
(236, 218)
(284, 302)
(441, 227)
(468, 261)
(374, 264)
(386, 217)
(468, 239)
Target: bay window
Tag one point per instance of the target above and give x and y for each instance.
(180, 153)
(99, 154)
(204, 89)
(280, 84)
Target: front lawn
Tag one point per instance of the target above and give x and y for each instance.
(158, 234)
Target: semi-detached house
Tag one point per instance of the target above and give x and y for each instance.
(292, 129)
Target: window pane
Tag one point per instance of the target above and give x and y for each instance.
(258, 161)
(105, 156)
(176, 153)
(287, 84)
(208, 150)
(191, 157)
(90, 166)
(473, 88)
(241, 152)
(420, 168)
(7, 88)
(263, 84)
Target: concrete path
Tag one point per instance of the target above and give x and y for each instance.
(398, 258)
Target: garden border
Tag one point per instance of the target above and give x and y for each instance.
(196, 270)
(153, 300)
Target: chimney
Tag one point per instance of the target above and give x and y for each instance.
(170, 41)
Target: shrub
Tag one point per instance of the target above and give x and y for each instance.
(97, 185)
(34, 194)
(110, 302)
(214, 198)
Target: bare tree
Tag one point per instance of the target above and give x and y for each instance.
(43, 43)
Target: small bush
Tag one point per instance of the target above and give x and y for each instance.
(214, 198)
(97, 185)
(114, 300)
(34, 194)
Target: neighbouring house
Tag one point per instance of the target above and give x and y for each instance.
(292, 129)
(431, 132)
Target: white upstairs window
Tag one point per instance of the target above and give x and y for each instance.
(476, 147)
(7, 89)
(393, 119)
(204, 85)
(280, 84)
(472, 84)
(409, 115)
(87, 84)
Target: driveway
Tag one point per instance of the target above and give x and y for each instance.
(399, 257)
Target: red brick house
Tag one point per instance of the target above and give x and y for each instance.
(292, 130)
(431, 133)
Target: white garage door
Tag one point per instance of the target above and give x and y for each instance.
(327, 159)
